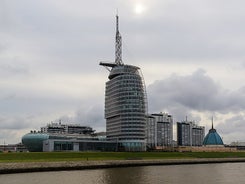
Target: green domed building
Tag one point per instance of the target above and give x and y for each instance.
(34, 141)
(67, 137)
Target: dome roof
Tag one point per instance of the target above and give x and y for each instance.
(212, 138)
(34, 141)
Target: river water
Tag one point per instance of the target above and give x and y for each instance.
(182, 174)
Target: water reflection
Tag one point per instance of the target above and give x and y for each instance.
(179, 174)
(123, 175)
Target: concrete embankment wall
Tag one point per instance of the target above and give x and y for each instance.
(8, 168)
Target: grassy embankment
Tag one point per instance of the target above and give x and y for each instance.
(83, 156)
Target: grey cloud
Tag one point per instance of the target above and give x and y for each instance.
(92, 116)
(194, 92)
(62, 37)
(57, 40)
(233, 125)
(11, 69)
(8, 97)
(8, 136)
(32, 105)
(15, 122)
(64, 42)
(3, 47)
(190, 30)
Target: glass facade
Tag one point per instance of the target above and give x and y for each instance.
(98, 146)
(183, 134)
(189, 134)
(197, 136)
(125, 102)
(34, 141)
(125, 108)
(151, 130)
(159, 130)
(68, 145)
(63, 146)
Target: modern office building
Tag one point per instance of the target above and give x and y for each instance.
(151, 132)
(38, 142)
(60, 128)
(159, 130)
(189, 134)
(67, 137)
(183, 134)
(125, 103)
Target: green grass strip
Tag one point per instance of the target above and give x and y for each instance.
(82, 156)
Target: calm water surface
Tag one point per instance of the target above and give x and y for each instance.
(181, 174)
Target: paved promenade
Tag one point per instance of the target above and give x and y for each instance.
(8, 168)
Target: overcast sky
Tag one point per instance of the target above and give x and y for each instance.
(191, 53)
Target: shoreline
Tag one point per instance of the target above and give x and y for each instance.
(25, 167)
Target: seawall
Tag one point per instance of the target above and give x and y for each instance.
(8, 168)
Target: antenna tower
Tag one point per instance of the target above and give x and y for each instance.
(118, 46)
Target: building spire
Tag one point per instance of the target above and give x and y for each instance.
(212, 122)
(118, 46)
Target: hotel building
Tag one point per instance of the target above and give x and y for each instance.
(125, 103)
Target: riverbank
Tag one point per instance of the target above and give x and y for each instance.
(101, 156)
(22, 167)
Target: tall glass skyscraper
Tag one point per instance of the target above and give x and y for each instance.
(125, 103)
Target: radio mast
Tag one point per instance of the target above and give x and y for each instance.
(118, 45)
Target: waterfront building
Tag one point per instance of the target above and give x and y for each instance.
(238, 145)
(159, 130)
(183, 134)
(60, 128)
(189, 134)
(213, 138)
(151, 130)
(198, 133)
(13, 148)
(125, 102)
(39, 142)
(67, 137)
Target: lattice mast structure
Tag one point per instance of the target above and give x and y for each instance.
(125, 102)
(118, 48)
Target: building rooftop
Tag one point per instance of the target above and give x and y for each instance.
(212, 138)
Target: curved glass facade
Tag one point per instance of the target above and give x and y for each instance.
(125, 108)
(125, 103)
(34, 141)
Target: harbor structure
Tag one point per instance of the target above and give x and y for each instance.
(125, 102)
